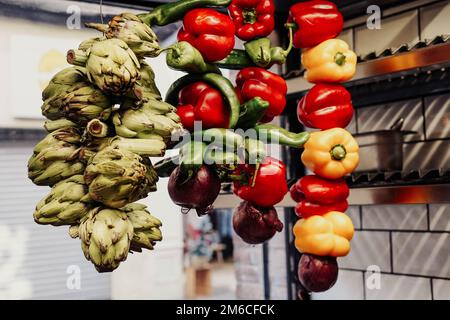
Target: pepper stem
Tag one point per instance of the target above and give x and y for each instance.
(338, 152)
(255, 174)
(291, 28)
(339, 58)
(249, 16)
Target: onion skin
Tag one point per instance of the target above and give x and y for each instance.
(317, 274)
(255, 224)
(196, 192)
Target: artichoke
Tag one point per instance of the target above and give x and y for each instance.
(69, 95)
(66, 204)
(117, 177)
(149, 147)
(152, 119)
(53, 125)
(87, 44)
(146, 227)
(129, 28)
(110, 64)
(55, 91)
(55, 157)
(105, 237)
(145, 87)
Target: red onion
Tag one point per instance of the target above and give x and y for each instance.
(197, 192)
(256, 224)
(317, 274)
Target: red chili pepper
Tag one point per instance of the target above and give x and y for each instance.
(326, 106)
(211, 32)
(252, 18)
(267, 188)
(201, 102)
(319, 190)
(257, 82)
(305, 209)
(316, 20)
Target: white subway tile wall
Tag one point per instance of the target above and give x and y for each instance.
(395, 287)
(423, 253)
(368, 248)
(440, 217)
(441, 289)
(399, 217)
(349, 286)
(434, 19)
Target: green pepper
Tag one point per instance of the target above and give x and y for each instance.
(274, 133)
(259, 52)
(255, 151)
(251, 112)
(217, 81)
(223, 138)
(183, 56)
(219, 157)
(165, 167)
(175, 11)
(236, 60)
(191, 157)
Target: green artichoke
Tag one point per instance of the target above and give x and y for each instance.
(153, 118)
(117, 177)
(149, 147)
(129, 28)
(53, 125)
(69, 95)
(56, 90)
(145, 86)
(110, 64)
(105, 237)
(66, 204)
(146, 227)
(87, 44)
(55, 157)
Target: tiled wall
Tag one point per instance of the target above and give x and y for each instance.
(410, 244)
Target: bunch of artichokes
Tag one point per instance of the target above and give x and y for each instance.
(105, 118)
(117, 177)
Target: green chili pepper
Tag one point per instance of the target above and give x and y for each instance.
(255, 151)
(220, 157)
(175, 11)
(217, 81)
(275, 134)
(251, 112)
(183, 56)
(259, 52)
(224, 138)
(191, 157)
(165, 167)
(236, 60)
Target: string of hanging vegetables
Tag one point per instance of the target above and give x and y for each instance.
(107, 118)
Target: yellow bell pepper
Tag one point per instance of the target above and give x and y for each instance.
(331, 153)
(327, 235)
(330, 61)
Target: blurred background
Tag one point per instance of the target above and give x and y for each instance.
(403, 225)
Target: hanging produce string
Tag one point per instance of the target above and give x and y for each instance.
(101, 11)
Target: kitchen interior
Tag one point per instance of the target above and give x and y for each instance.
(399, 198)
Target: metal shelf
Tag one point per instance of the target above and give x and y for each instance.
(433, 55)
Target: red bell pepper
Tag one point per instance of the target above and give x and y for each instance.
(264, 186)
(211, 32)
(319, 190)
(305, 209)
(326, 106)
(257, 82)
(252, 18)
(201, 102)
(316, 20)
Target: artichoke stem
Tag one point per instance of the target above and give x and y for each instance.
(98, 26)
(77, 57)
(97, 129)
